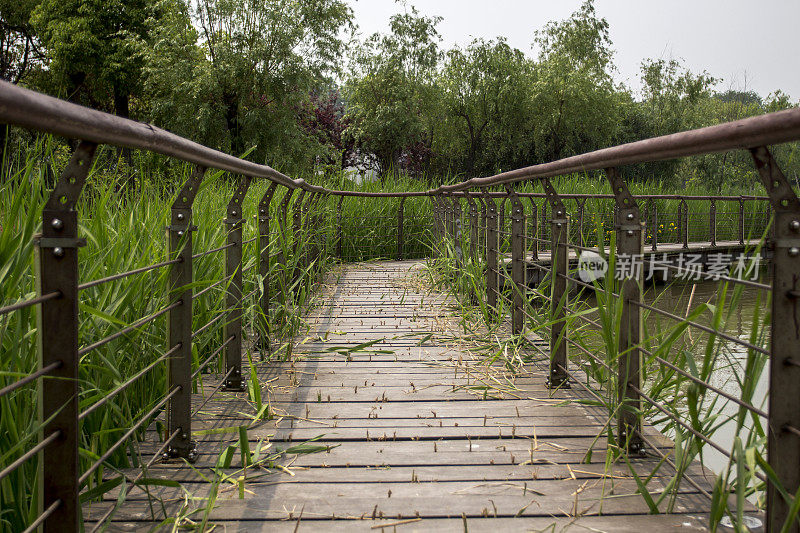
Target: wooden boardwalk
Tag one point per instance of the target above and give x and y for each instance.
(411, 438)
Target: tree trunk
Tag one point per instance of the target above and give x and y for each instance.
(232, 122)
(3, 150)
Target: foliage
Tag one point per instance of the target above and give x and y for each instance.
(247, 72)
(574, 88)
(266, 78)
(91, 52)
(486, 103)
(390, 92)
(19, 45)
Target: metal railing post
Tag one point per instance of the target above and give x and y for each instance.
(400, 209)
(445, 212)
(305, 231)
(265, 337)
(473, 227)
(544, 218)
(517, 262)
(783, 436)
(491, 251)
(434, 218)
(436, 230)
(559, 296)
(535, 228)
(685, 224)
(57, 271)
(484, 226)
(712, 222)
(339, 227)
(501, 225)
(233, 296)
(283, 240)
(581, 211)
(628, 228)
(741, 221)
(449, 219)
(458, 235)
(179, 366)
(314, 221)
(297, 220)
(655, 225)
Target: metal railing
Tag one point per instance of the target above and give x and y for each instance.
(306, 229)
(59, 290)
(490, 229)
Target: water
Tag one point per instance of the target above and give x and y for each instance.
(731, 363)
(681, 298)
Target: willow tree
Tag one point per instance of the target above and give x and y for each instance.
(578, 106)
(487, 106)
(91, 50)
(391, 94)
(244, 69)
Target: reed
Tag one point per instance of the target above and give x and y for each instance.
(125, 231)
(593, 322)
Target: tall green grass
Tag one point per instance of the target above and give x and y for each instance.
(705, 356)
(125, 230)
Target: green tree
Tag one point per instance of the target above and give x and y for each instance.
(673, 99)
(672, 95)
(92, 54)
(247, 72)
(391, 94)
(486, 96)
(20, 51)
(578, 106)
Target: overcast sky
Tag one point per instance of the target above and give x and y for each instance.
(746, 43)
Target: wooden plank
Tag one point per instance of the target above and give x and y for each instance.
(631, 524)
(433, 503)
(424, 474)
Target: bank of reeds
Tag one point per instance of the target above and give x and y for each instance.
(694, 416)
(125, 230)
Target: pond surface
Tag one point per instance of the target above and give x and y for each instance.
(681, 298)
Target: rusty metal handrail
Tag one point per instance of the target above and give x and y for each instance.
(772, 128)
(603, 196)
(33, 110)
(37, 111)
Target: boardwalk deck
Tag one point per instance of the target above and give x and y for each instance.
(412, 440)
